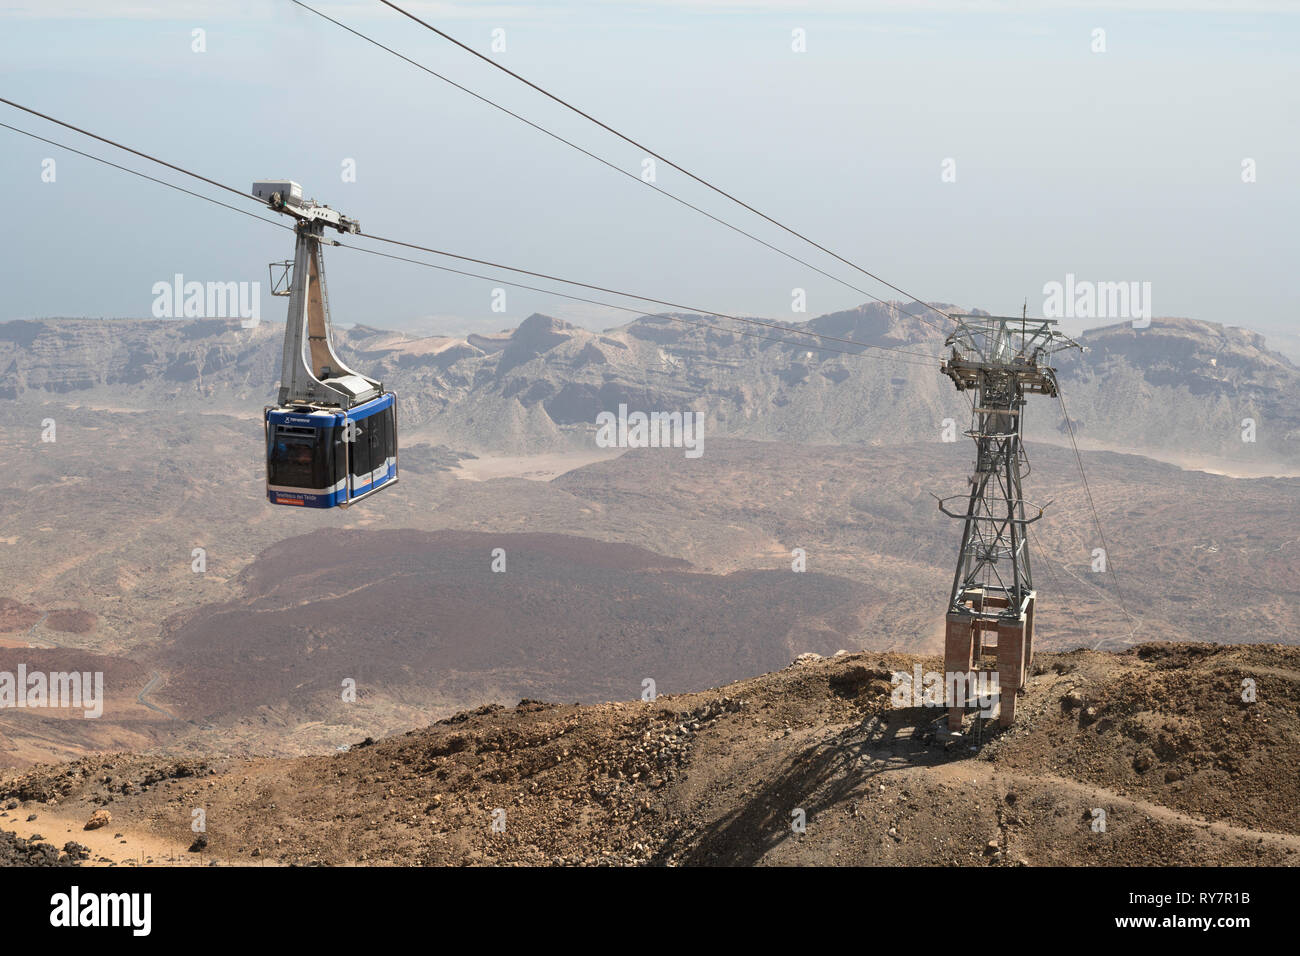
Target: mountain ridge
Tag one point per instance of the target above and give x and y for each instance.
(1179, 387)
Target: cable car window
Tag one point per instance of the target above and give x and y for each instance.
(338, 467)
(390, 435)
(360, 448)
(294, 460)
(377, 441)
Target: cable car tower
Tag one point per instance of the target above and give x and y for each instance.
(1000, 360)
(333, 437)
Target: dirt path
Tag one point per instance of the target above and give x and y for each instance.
(1157, 811)
(121, 845)
(154, 680)
(31, 634)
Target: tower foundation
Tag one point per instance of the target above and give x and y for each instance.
(967, 650)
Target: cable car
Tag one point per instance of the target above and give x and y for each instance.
(311, 462)
(332, 438)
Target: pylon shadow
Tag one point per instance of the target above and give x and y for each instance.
(826, 774)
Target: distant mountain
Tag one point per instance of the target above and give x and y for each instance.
(147, 361)
(1183, 386)
(1179, 389)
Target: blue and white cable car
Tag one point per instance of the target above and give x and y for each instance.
(332, 439)
(310, 461)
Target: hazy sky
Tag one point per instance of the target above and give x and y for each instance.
(1116, 165)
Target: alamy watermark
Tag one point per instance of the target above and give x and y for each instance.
(653, 430)
(129, 910)
(208, 300)
(953, 689)
(1084, 299)
(56, 689)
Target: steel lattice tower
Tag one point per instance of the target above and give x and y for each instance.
(1000, 360)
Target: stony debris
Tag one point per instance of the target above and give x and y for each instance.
(15, 851)
(1158, 738)
(100, 818)
(76, 851)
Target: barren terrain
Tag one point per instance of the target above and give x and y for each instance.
(1158, 740)
(248, 655)
(245, 648)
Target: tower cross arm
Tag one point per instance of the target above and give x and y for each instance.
(285, 196)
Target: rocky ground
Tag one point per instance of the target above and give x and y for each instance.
(1147, 757)
(15, 851)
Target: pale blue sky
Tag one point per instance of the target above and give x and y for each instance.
(1123, 165)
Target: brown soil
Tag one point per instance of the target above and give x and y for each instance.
(1158, 739)
(421, 614)
(71, 621)
(16, 616)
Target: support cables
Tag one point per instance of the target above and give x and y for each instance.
(645, 298)
(622, 308)
(618, 169)
(663, 159)
(574, 282)
(152, 179)
(859, 347)
(153, 159)
(1119, 593)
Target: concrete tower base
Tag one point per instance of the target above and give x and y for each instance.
(964, 649)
